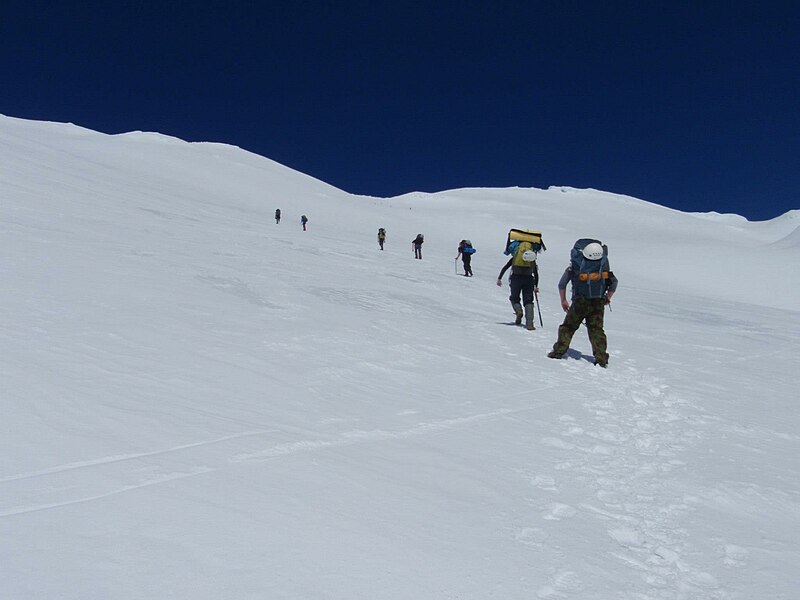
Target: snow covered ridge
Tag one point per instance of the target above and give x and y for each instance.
(199, 403)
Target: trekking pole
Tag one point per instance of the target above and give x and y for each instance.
(455, 265)
(538, 308)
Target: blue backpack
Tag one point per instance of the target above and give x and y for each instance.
(468, 249)
(590, 277)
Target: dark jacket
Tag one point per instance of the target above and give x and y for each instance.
(532, 271)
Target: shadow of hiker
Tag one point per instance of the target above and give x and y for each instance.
(577, 355)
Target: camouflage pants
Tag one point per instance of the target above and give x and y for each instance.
(592, 310)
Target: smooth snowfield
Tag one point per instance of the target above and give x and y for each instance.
(198, 403)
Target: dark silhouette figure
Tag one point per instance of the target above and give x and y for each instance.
(417, 244)
(465, 251)
(277, 215)
(381, 237)
(303, 221)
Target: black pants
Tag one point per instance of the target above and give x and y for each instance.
(521, 285)
(418, 252)
(467, 260)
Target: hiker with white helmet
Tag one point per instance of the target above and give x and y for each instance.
(523, 246)
(593, 284)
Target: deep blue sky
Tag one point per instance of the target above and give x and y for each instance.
(693, 105)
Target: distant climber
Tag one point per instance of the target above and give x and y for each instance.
(381, 237)
(465, 251)
(277, 215)
(303, 221)
(417, 244)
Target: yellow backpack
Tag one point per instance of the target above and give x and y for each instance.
(519, 261)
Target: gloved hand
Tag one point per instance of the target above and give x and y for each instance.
(499, 283)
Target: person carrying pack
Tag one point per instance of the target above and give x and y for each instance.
(465, 251)
(303, 221)
(417, 244)
(381, 237)
(277, 215)
(523, 246)
(593, 284)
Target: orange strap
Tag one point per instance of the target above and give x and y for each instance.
(593, 276)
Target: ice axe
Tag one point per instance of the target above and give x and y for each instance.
(538, 308)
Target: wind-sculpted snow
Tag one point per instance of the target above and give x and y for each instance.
(199, 403)
(791, 241)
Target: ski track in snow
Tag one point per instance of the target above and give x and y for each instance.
(160, 466)
(636, 434)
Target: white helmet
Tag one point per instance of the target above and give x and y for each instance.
(529, 256)
(593, 251)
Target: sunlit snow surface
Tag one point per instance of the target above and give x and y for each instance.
(198, 403)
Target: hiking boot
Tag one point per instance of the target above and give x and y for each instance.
(554, 354)
(600, 363)
(529, 317)
(519, 314)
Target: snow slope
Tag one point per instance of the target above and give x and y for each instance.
(198, 403)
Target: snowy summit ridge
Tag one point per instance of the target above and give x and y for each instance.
(200, 403)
